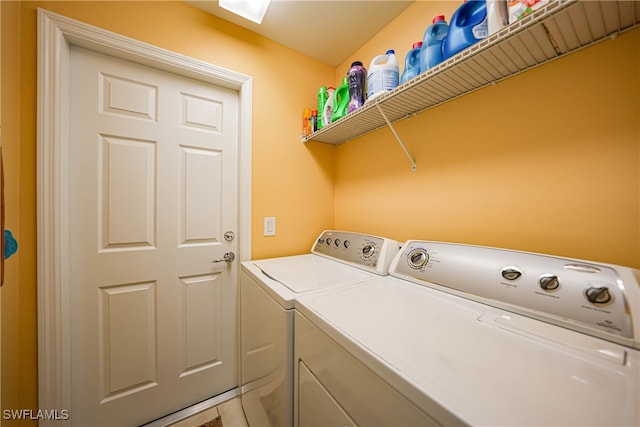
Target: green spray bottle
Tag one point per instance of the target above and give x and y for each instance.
(341, 101)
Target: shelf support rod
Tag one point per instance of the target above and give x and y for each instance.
(404, 148)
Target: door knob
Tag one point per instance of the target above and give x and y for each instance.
(228, 257)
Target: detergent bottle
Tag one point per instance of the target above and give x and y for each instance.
(431, 52)
(341, 100)
(468, 26)
(357, 79)
(383, 74)
(497, 15)
(411, 63)
(327, 109)
(322, 99)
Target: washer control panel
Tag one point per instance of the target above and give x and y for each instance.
(365, 251)
(598, 299)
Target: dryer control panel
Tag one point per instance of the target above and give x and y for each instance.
(598, 299)
(372, 253)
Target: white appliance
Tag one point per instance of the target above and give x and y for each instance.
(268, 292)
(468, 335)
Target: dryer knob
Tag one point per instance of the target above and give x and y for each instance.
(511, 273)
(368, 250)
(549, 282)
(418, 258)
(598, 295)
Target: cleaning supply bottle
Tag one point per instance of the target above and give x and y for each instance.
(411, 63)
(468, 26)
(327, 110)
(357, 77)
(431, 52)
(383, 74)
(306, 122)
(322, 99)
(497, 15)
(341, 100)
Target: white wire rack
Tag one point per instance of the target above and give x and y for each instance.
(557, 29)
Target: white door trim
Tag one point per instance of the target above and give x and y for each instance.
(56, 35)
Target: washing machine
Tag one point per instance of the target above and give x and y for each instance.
(269, 289)
(470, 335)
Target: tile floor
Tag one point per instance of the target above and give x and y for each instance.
(230, 411)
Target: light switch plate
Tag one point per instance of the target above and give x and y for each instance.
(269, 225)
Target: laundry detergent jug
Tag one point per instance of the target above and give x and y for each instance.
(468, 25)
(327, 109)
(431, 52)
(341, 100)
(411, 63)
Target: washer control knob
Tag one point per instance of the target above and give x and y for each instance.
(347, 244)
(418, 258)
(337, 242)
(549, 282)
(511, 273)
(368, 250)
(329, 241)
(598, 295)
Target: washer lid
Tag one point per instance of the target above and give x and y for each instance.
(306, 273)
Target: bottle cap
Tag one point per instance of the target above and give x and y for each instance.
(416, 44)
(438, 18)
(391, 51)
(356, 63)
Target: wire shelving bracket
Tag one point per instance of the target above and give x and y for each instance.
(393, 130)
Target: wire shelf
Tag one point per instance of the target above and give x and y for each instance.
(553, 31)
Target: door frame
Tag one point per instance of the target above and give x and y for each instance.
(56, 35)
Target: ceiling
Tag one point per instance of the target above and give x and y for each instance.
(327, 30)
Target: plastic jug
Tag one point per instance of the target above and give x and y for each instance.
(431, 52)
(411, 63)
(341, 100)
(468, 26)
(383, 74)
(327, 109)
(357, 78)
(497, 15)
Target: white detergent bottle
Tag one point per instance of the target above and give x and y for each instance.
(383, 74)
(327, 111)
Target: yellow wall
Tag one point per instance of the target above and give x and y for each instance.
(547, 161)
(562, 176)
(290, 181)
(19, 346)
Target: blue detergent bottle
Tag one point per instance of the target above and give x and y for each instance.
(431, 52)
(468, 26)
(411, 63)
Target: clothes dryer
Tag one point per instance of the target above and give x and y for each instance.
(269, 289)
(469, 335)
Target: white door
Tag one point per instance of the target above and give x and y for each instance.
(152, 191)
